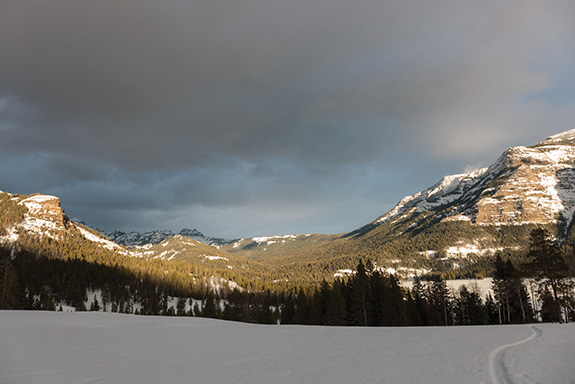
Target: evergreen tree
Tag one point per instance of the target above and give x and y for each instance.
(439, 304)
(181, 307)
(510, 293)
(413, 313)
(492, 310)
(380, 299)
(469, 308)
(319, 304)
(209, 308)
(288, 309)
(549, 267)
(419, 300)
(8, 282)
(80, 305)
(501, 290)
(550, 310)
(302, 309)
(395, 311)
(335, 312)
(518, 295)
(46, 300)
(360, 300)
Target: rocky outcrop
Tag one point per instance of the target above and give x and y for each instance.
(44, 213)
(525, 185)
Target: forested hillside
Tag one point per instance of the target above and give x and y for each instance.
(47, 262)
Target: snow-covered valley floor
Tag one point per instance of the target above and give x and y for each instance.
(95, 347)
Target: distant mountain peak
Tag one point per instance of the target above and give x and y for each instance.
(134, 239)
(191, 233)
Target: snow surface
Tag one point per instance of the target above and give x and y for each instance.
(563, 136)
(273, 239)
(34, 203)
(215, 257)
(89, 347)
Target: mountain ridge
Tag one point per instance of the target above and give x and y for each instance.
(532, 184)
(451, 227)
(133, 238)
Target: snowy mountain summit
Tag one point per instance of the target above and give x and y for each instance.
(526, 185)
(135, 239)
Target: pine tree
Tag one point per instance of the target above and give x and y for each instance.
(209, 308)
(439, 304)
(550, 310)
(379, 295)
(549, 267)
(8, 282)
(500, 289)
(335, 312)
(510, 293)
(80, 305)
(419, 299)
(181, 307)
(469, 308)
(413, 314)
(319, 304)
(302, 309)
(492, 310)
(288, 309)
(360, 300)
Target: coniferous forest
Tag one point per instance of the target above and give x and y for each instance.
(46, 273)
(367, 298)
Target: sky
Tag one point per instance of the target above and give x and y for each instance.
(267, 117)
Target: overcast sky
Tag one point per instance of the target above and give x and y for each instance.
(263, 117)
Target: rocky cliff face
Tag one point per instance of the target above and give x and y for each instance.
(45, 217)
(525, 185)
(536, 185)
(44, 214)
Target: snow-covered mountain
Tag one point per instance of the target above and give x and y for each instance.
(526, 185)
(184, 248)
(450, 226)
(134, 239)
(199, 236)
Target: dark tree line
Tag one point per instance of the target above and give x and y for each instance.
(373, 298)
(32, 278)
(368, 298)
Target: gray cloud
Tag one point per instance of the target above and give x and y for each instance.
(227, 115)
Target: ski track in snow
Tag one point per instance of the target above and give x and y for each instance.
(499, 372)
(43, 347)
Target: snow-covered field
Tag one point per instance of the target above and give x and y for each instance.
(95, 347)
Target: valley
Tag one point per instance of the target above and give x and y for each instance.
(455, 229)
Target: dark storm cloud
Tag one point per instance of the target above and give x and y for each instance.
(233, 114)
